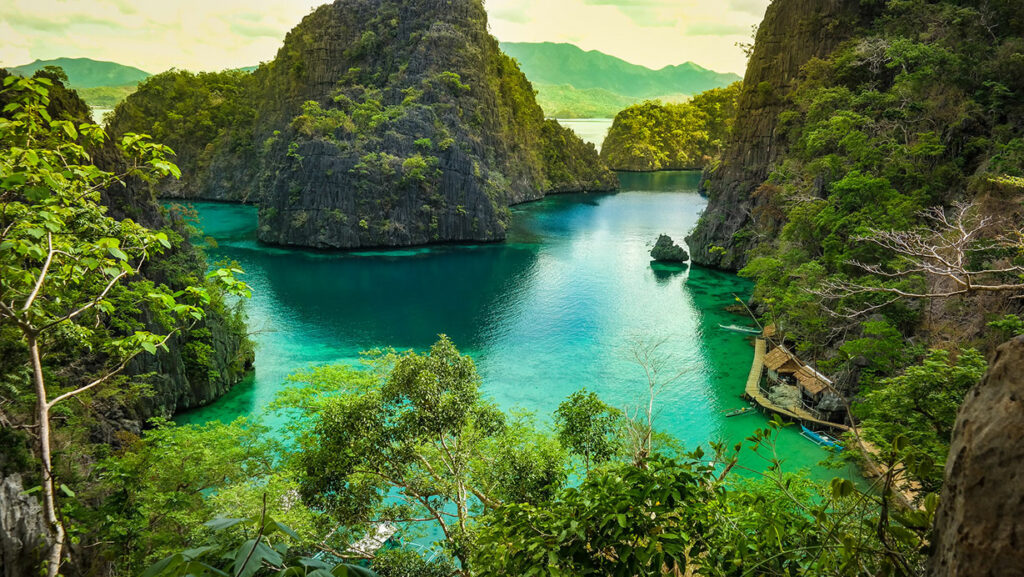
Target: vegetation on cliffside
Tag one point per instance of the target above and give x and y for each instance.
(657, 136)
(886, 231)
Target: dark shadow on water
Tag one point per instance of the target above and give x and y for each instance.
(665, 272)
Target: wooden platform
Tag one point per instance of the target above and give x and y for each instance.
(905, 491)
(753, 392)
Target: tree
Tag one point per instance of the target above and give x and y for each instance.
(155, 494)
(967, 252)
(625, 521)
(587, 427)
(659, 375)
(64, 263)
(268, 549)
(921, 405)
(420, 444)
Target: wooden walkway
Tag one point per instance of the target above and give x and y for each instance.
(753, 392)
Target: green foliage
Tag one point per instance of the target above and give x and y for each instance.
(419, 443)
(156, 492)
(407, 563)
(317, 122)
(656, 136)
(587, 427)
(1008, 326)
(188, 112)
(628, 521)
(267, 550)
(920, 405)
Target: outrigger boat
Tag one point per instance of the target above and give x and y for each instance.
(739, 411)
(739, 329)
(822, 439)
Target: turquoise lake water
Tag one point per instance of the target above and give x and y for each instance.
(548, 312)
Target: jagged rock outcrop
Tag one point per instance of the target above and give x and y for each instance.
(792, 33)
(381, 123)
(978, 526)
(666, 250)
(22, 530)
(423, 131)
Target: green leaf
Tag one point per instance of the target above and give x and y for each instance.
(164, 566)
(221, 523)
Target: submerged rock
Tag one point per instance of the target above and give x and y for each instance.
(666, 250)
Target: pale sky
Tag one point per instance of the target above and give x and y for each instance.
(217, 34)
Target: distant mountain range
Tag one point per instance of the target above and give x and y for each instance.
(88, 73)
(572, 82)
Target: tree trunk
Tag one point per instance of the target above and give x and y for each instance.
(43, 420)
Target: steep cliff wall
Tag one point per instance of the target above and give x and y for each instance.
(979, 528)
(422, 130)
(22, 530)
(792, 33)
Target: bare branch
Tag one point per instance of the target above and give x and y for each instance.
(943, 251)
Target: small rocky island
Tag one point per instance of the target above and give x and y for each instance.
(667, 251)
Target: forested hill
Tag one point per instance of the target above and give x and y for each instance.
(658, 136)
(559, 64)
(379, 123)
(87, 73)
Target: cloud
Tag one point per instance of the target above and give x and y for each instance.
(752, 7)
(152, 35)
(646, 13)
(717, 29)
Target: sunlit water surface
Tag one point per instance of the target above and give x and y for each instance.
(589, 129)
(546, 313)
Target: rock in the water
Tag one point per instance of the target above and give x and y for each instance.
(666, 250)
(979, 528)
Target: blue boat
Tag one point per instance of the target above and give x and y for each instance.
(821, 439)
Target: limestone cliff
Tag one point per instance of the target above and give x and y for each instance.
(22, 529)
(379, 123)
(979, 529)
(404, 124)
(792, 33)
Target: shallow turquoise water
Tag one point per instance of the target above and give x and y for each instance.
(550, 311)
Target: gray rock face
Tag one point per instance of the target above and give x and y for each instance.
(980, 523)
(422, 131)
(666, 250)
(22, 530)
(793, 32)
